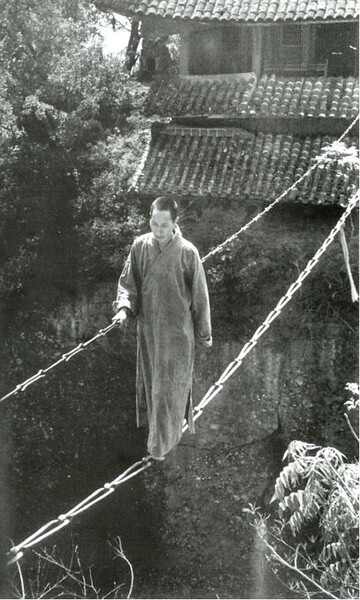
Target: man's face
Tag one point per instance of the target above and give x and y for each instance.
(162, 225)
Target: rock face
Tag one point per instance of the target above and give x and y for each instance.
(233, 460)
(182, 522)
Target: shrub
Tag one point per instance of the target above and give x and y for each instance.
(313, 544)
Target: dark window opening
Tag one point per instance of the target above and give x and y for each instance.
(326, 49)
(220, 50)
(291, 50)
(338, 45)
(291, 35)
(285, 49)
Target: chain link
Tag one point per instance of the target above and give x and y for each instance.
(343, 135)
(66, 357)
(63, 520)
(230, 369)
(317, 161)
(16, 552)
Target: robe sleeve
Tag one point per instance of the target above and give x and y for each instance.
(200, 304)
(128, 289)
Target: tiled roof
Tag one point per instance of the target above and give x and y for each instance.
(271, 95)
(230, 162)
(239, 11)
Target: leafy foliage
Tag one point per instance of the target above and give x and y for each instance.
(317, 533)
(346, 157)
(66, 116)
(108, 217)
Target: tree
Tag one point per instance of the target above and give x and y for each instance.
(65, 107)
(314, 543)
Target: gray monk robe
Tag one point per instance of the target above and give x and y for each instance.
(166, 290)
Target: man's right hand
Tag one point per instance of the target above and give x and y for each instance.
(120, 317)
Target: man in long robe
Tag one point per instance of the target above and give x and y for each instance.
(163, 285)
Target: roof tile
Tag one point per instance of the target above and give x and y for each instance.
(240, 11)
(269, 95)
(230, 162)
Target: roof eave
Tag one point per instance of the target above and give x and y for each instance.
(120, 7)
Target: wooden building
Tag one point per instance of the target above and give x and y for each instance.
(263, 86)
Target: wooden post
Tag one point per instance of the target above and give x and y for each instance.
(130, 57)
(184, 51)
(257, 45)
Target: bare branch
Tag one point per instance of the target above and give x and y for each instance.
(117, 547)
(288, 565)
(23, 594)
(351, 427)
